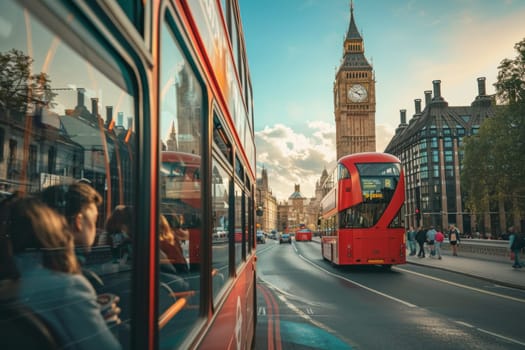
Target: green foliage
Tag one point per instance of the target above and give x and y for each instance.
(494, 161)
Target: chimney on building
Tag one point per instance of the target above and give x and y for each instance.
(403, 115)
(109, 115)
(437, 90)
(94, 107)
(428, 97)
(482, 100)
(417, 103)
(80, 97)
(120, 118)
(481, 87)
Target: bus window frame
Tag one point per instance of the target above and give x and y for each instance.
(170, 17)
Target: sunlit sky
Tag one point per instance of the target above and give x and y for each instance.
(295, 46)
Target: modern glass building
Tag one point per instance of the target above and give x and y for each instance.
(429, 146)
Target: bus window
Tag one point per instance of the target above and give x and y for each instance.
(68, 119)
(238, 236)
(221, 227)
(181, 103)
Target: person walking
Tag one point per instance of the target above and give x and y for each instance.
(421, 237)
(431, 235)
(516, 243)
(438, 240)
(411, 239)
(453, 238)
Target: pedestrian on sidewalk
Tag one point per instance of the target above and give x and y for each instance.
(516, 244)
(431, 236)
(438, 241)
(421, 237)
(411, 239)
(453, 238)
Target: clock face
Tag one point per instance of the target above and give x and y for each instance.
(357, 93)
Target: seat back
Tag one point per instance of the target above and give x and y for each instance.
(21, 328)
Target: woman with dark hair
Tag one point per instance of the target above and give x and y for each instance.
(46, 276)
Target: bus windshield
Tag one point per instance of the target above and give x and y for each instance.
(378, 183)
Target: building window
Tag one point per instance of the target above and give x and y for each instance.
(449, 157)
(449, 170)
(424, 172)
(435, 157)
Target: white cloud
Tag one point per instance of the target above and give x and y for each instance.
(293, 158)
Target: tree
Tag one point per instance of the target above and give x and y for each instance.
(19, 89)
(494, 161)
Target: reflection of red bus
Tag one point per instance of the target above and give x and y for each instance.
(362, 214)
(181, 197)
(303, 235)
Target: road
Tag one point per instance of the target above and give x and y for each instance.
(305, 303)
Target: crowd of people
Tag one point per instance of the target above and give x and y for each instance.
(429, 241)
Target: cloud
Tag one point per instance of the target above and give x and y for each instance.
(292, 158)
(383, 136)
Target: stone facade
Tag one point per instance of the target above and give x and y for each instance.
(354, 97)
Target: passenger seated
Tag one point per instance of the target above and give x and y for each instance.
(78, 203)
(46, 275)
(170, 245)
(119, 229)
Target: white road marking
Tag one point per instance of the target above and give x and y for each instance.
(359, 284)
(462, 286)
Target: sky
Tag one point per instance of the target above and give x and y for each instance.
(294, 48)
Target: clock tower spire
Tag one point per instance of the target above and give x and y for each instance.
(354, 96)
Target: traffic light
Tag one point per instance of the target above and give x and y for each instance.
(418, 214)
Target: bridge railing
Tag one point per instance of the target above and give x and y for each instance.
(485, 248)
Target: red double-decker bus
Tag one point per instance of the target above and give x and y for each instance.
(362, 219)
(150, 103)
(303, 234)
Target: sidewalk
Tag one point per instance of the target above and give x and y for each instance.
(494, 271)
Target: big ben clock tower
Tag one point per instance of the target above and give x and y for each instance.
(354, 97)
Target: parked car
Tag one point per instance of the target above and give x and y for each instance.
(261, 237)
(285, 238)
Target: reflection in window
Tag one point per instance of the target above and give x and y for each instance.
(180, 192)
(63, 121)
(238, 232)
(221, 227)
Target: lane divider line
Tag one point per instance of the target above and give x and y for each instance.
(455, 284)
(375, 291)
